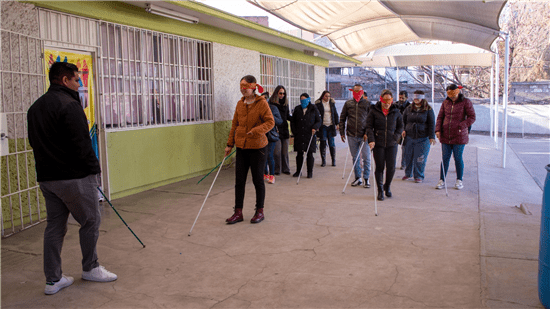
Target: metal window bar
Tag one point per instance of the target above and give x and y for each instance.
(27, 48)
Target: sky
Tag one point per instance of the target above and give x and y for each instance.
(243, 8)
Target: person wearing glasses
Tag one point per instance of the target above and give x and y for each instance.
(280, 99)
(384, 127)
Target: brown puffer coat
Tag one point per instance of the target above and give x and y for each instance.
(250, 124)
(453, 120)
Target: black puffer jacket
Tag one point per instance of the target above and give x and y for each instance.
(384, 130)
(419, 123)
(355, 114)
(334, 114)
(59, 136)
(302, 124)
(284, 110)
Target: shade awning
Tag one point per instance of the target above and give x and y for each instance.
(357, 27)
(417, 55)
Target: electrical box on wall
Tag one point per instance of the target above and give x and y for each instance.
(4, 145)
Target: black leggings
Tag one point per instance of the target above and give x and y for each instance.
(384, 157)
(253, 159)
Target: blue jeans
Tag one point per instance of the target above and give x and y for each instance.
(354, 143)
(456, 151)
(416, 156)
(324, 136)
(403, 153)
(270, 162)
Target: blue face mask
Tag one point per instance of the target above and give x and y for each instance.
(305, 102)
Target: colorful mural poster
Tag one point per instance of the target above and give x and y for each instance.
(85, 66)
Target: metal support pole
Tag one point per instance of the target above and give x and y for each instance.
(492, 98)
(433, 85)
(397, 82)
(505, 97)
(497, 99)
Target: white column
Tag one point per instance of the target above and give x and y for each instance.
(497, 98)
(397, 82)
(433, 85)
(492, 98)
(505, 97)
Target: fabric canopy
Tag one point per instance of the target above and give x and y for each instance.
(357, 27)
(417, 55)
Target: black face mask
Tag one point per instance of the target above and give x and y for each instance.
(282, 101)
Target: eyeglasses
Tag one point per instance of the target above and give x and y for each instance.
(281, 93)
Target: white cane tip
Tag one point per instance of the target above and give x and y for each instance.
(376, 215)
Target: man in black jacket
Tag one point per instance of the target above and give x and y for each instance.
(402, 104)
(355, 113)
(67, 170)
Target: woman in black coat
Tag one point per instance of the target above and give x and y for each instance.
(280, 99)
(329, 124)
(304, 123)
(384, 127)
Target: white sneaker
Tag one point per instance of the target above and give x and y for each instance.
(459, 185)
(440, 185)
(99, 274)
(54, 287)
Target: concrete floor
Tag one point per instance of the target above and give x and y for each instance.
(317, 248)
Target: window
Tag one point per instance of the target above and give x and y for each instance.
(150, 78)
(297, 77)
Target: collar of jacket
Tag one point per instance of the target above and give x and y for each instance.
(460, 98)
(72, 93)
(330, 101)
(257, 99)
(378, 107)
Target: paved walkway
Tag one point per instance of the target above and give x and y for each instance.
(318, 248)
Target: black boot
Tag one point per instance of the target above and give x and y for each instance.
(310, 161)
(380, 193)
(323, 149)
(388, 191)
(333, 155)
(298, 167)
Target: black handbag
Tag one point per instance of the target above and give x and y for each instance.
(273, 135)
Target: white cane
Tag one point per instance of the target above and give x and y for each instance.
(345, 163)
(221, 165)
(305, 157)
(353, 167)
(374, 183)
(444, 178)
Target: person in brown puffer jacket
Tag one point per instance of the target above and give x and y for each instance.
(455, 116)
(251, 121)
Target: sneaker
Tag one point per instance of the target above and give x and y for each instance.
(440, 185)
(266, 177)
(271, 179)
(459, 185)
(406, 178)
(418, 180)
(366, 183)
(357, 182)
(99, 274)
(54, 287)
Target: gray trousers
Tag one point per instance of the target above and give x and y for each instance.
(281, 156)
(78, 197)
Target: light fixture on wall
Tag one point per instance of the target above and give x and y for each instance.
(311, 53)
(157, 10)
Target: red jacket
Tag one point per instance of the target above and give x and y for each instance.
(454, 119)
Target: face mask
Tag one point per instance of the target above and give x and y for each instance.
(305, 102)
(357, 95)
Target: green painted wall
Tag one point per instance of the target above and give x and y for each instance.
(130, 15)
(11, 183)
(148, 158)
